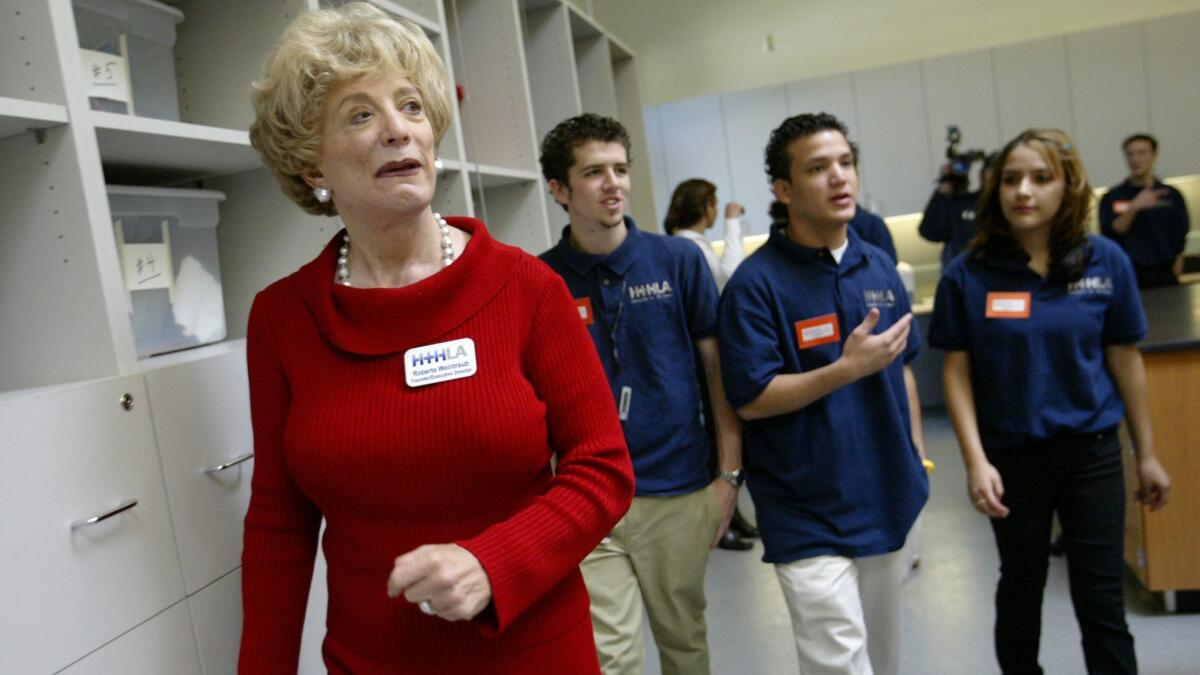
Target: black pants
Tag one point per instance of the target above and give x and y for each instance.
(1079, 477)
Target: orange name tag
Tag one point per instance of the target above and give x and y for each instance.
(817, 331)
(1120, 206)
(1008, 305)
(584, 305)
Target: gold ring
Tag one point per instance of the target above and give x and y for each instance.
(981, 501)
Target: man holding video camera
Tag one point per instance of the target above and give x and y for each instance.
(950, 214)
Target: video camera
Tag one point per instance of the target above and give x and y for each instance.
(958, 164)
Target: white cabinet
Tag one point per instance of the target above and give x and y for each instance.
(217, 617)
(202, 423)
(74, 454)
(959, 90)
(1174, 91)
(112, 593)
(896, 166)
(1108, 95)
(164, 644)
(749, 119)
(1032, 87)
(693, 140)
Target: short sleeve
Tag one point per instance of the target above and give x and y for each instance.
(699, 293)
(1124, 320)
(948, 329)
(751, 355)
(913, 348)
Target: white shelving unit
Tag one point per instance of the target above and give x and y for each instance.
(69, 358)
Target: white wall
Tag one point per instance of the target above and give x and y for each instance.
(689, 48)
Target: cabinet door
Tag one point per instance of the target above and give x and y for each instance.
(217, 615)
(895, 161)
(750, 116)
(960, 90)
(1108, 97)
(1171, 54)
(74, 454)
(1032, 87)
(163, 644)
(693, 137)
(202, 421)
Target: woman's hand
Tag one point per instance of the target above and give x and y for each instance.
(446, 576)
(1155, 484)
(986, 490)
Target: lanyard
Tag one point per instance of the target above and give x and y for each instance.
(612, 329)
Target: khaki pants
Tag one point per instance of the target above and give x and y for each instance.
(659, 551)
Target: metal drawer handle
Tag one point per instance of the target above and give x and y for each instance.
(231, 463)
(118, 509)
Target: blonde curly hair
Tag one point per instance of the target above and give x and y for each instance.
(318, 50)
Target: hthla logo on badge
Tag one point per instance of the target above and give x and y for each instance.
(1091, 285)
(440, 362)
(656, 290)
(880, 299)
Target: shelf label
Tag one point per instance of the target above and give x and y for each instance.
(106, 76)
(146, 266)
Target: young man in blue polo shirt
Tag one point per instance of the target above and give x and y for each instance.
(815, 330)
(650, 304)
(1148, 218)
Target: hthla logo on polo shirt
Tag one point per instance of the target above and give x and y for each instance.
(657, 290)
(440, 362)
(1091, 286)
(884, 299)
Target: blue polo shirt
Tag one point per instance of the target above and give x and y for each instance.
(871, 229)
(645, 305)
(1158, 235)
(840, 476)
(1037, 377)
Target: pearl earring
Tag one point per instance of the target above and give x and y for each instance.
(321, 194)
(438, 165)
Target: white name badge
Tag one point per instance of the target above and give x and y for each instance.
(441, 362)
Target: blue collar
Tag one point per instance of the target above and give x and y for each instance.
(852, 257)
(617, 262)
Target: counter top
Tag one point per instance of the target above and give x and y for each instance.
(1173, 315)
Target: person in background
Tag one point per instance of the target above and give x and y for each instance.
(815, 332)
(413, 386)
(1148, 218)
(1039, 322)
(691, 213)
(949, 216)
(650, 305)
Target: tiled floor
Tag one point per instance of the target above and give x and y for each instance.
(948, 613)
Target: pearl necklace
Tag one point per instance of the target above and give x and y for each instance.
(343, 261)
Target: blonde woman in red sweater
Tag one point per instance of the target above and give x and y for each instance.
(411, 385)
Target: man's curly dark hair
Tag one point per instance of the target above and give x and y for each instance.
(778, 160)
(558, 147)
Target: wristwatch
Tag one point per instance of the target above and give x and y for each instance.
(735, 477)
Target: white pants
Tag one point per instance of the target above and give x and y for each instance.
(836, 603)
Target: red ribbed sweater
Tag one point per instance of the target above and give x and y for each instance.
(338, 433)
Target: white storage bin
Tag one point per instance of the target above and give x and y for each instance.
(167, 244)
(148, 28)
